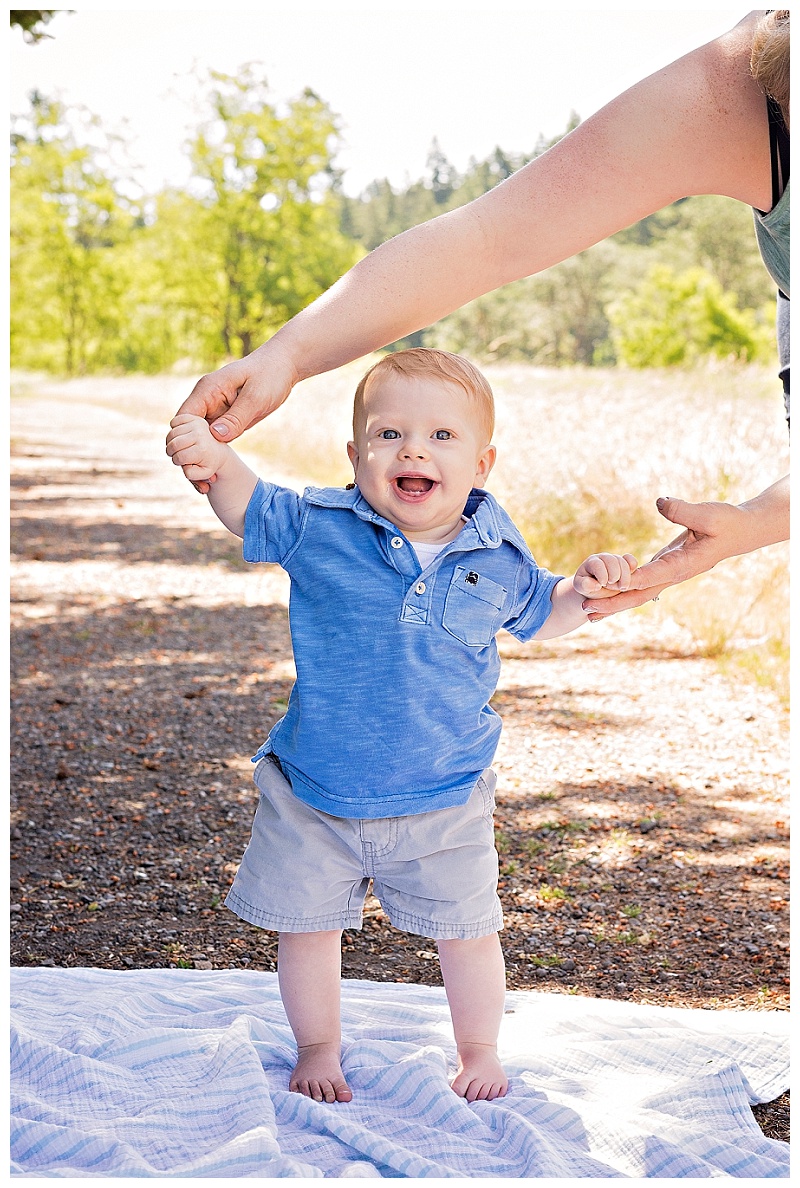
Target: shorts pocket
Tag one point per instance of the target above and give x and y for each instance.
(473, 607)
(259, 771)
(268, 776)
(486, 786)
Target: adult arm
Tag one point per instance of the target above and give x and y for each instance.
(696, 127)
(713, 531)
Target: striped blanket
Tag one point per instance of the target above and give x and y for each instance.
(184, 1073)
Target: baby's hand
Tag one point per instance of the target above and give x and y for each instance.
(191, 445)
(604, 574)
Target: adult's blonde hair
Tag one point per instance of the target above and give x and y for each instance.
(433, 364)
(769, 59)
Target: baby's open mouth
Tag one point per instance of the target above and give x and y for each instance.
(414, 484)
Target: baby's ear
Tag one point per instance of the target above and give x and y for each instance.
(485, 464)
(352, 453)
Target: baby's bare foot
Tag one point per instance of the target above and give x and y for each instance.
(318, 1074)
(480, 1075)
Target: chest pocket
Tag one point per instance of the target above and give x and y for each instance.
(473, 607)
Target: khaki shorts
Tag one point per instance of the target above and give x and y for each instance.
(434, 873)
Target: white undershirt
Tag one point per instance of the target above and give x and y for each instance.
(427, 553)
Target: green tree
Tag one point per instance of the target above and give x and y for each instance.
(679, 317)
(32, 21)
(268, 219)
(67, 219)
(102, 282)
(717, 234)
(572, 300)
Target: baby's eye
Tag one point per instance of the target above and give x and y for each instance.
(442, 435)
(389, 434)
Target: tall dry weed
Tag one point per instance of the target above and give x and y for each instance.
(583, 455)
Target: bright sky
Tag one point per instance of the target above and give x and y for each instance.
(398, 75)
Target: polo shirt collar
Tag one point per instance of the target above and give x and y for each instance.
(492, 524)
(485, 517)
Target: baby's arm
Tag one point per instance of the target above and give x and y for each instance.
(600, 576)
(203, 458)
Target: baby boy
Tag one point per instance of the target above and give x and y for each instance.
(381, 767)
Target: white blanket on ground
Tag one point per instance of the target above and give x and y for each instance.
(184, 1073)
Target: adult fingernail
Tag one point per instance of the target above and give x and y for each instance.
(221, 429)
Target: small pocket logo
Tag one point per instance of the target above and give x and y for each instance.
(472, 578)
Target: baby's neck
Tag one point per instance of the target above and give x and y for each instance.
(438, 536)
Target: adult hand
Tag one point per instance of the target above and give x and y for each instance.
(242, 393)
(712, 531)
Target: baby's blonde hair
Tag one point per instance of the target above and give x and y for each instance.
(769, 59)
(435, 364)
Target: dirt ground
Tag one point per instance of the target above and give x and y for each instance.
(642, 796)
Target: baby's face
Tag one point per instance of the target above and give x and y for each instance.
(418, 453)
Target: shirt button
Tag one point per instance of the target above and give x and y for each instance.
(419, 588)
(397, 542)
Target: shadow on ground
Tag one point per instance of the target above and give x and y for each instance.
(132, 801)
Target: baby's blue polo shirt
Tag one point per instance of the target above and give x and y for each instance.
(390, 712)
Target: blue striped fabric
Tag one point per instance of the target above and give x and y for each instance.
(183, 1073)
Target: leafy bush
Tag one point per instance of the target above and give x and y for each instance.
(679, 317)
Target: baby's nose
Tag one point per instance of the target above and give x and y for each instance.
(413, 449)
